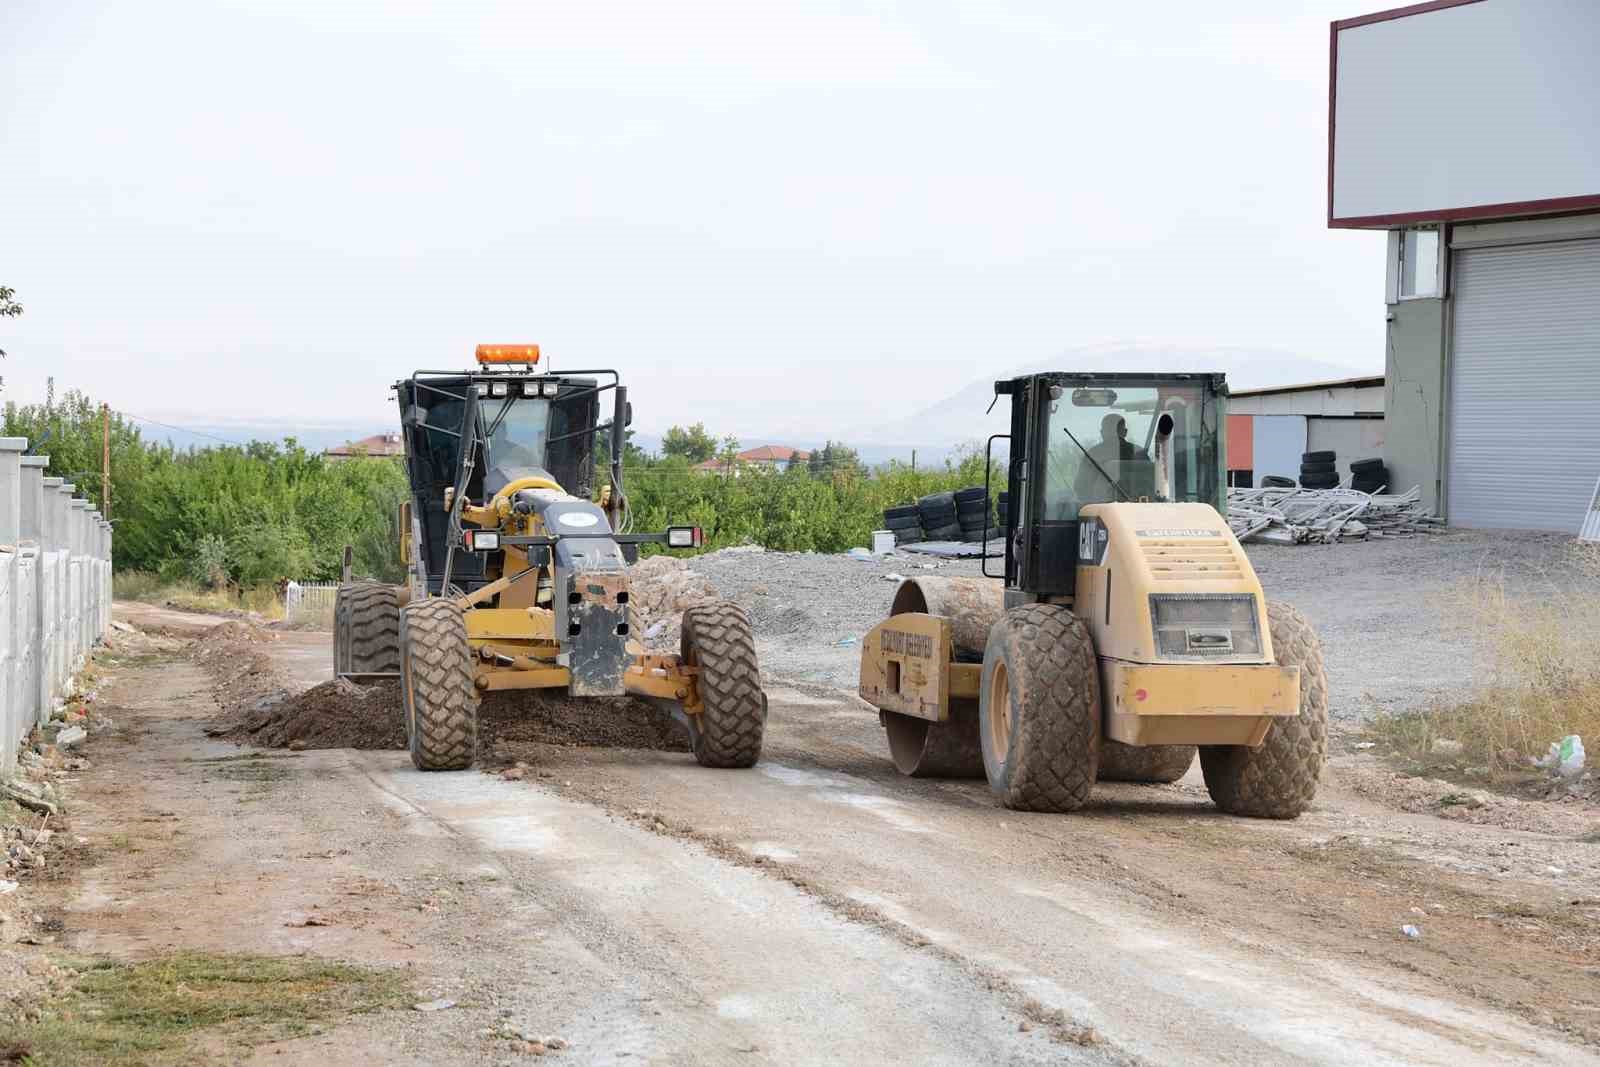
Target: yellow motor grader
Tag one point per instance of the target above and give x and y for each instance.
(519, 580)
(1127, 628)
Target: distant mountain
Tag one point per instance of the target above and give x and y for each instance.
(960, 418)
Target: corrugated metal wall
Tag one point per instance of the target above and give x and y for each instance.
(1524, 386)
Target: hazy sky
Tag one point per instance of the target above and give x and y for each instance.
(768, 215)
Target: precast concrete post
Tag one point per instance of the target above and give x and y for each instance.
(50, 534)
(80, 605)
(37, 681)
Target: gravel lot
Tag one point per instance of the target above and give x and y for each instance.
(1383, 607)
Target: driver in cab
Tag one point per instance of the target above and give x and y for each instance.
(1113, 450)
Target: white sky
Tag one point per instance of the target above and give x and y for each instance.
(770, 216)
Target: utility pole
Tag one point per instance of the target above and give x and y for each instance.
(913, 461)
(105, 461)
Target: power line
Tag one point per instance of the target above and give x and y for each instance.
(182, 429)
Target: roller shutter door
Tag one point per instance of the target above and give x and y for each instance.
(1525, 386)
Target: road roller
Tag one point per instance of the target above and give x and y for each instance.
(1118, 629)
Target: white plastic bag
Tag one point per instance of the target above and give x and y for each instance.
(1566, 757)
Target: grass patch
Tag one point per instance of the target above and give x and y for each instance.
(146, 1013)
(186, 595)
(1536, 665)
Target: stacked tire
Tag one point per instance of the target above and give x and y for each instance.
(905, 523)
(1319, 470)
(972, 513)
(1370, 475)
(939, 517)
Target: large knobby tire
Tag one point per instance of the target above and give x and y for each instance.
(1039, 709)
(366, 628)
(1144, 763)
(1279, 779)
(436, 690)
(717, 639)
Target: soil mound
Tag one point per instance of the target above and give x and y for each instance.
(336, 714)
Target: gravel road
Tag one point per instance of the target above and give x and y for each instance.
(1383, 608)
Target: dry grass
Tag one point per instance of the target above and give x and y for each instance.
(150, 1012)
(310, 618)
(188, 596)
(1535, 660)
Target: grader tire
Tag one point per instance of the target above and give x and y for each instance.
(717, 638)
(366, 628)
(436, 690)
(1039, 710)
(1144, 763)
(1279, 779)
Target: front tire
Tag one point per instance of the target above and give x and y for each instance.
(436, 690)
(1279, 779)
(728, 731)
(1039, 709)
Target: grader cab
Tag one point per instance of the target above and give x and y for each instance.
(1126, 629)
(518, 579)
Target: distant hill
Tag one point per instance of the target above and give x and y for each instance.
(960, 417)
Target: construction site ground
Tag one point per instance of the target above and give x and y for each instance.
(594, 895)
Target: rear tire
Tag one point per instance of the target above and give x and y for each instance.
(1279, 779)
(1039, 709)
(366, 628)
(436, 691)
(717, 638)
(1144, 763)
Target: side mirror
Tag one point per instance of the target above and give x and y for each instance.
(627, 413)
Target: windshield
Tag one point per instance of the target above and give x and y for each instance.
(517, 430)
(1103, 445)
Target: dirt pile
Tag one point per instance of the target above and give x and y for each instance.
(514, 725)
(236, 654)
(660, 588)
(336, 714)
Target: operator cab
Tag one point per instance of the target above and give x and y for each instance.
(528, 424)
(1079, 439)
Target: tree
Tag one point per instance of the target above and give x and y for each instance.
(693, 444)
(9, 308)
(833, 456)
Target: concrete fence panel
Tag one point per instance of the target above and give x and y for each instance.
(55, 592)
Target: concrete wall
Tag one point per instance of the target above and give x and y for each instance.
(55, 592)
(1414, 398)
(1323, 400)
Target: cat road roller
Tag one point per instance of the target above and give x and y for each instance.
(518, 579)
(1127, 628)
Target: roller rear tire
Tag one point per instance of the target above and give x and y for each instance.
(1279, 779)
(1144, 763)
(1039, 710)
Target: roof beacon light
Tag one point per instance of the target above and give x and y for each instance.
(528, 354)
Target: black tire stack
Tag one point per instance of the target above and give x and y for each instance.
(972, 513)
(1370, 475)
(1277, 481)
(940, 521)
(1319, 470)
(905, 523)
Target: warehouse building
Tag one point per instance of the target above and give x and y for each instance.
(1467, 130)
(1270, 429)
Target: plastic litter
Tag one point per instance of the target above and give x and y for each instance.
(843, 641)
(7, 887)
(655, 629)
(1413, 932)
(864, 555)
(892, 576)
(1566, 757)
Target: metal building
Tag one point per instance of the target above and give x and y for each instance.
(1269, 429)
(1481, 161)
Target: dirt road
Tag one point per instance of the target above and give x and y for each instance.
(821, 908)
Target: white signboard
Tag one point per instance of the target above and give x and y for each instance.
(1465, 109)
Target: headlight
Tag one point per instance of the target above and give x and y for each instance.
(550, 389)
(498, 389)
(482, 540)
(530, 388)
(1205, 625)
(483, 388)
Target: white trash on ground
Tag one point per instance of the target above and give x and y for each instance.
(1566, 757)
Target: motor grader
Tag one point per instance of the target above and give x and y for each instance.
(1127, 628)
(518, 579)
